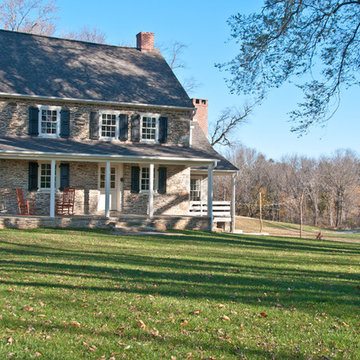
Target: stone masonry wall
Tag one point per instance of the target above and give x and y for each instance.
(174, 202)
(84, 177)
(14, 174)
(14, 119)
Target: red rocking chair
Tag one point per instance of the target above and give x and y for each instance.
(26, 206)
(65, 204)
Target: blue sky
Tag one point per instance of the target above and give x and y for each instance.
(201, 25)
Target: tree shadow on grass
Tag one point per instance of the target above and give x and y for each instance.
(236, 349)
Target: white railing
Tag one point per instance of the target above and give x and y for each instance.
(221, 209)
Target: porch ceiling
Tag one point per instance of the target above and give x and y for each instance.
(36, 148)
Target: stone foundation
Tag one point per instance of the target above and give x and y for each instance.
(160, 223)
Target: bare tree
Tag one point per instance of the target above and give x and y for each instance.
(31, 16)
(341, 175)
(87, 34)
(229, 119)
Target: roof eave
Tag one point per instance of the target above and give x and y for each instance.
(94, 102)
(37, 155)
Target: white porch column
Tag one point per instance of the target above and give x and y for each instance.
(210, 195)
(107, 190)
(233, 203)
(151, 190)
(52, 188)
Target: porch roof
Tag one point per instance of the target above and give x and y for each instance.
(37, 148)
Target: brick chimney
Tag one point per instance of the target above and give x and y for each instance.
(145, 41)
(201, 115)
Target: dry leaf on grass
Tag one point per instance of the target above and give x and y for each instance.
(141, 324)
(225, 318)
(263, 315)
(10, 340)
(155, 332)
(184, 322)
(195, 312)
(75, 323)
(28, 308)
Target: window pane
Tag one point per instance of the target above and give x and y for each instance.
(108, 125)
(148, 128)
(45, 176)
(195, 193)
(48, 124)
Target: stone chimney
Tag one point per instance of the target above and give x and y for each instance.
(145, 41)
(201, 115)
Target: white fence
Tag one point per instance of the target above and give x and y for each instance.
(221, 210)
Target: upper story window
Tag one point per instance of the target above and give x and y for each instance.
(149, 128)
(109, 125)
(49, 121)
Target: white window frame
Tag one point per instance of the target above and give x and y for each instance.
(103, 166)
(109, 112)
(151, 115)
(156, 179)
(199, 178)
(51, 108)
(57, 179)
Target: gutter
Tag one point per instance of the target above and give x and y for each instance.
(27, 155)
(94, 102)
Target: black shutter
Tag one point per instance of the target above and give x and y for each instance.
(135, 128)
(162, 180)
(123, 127)
(65, 123)
(135, 179)
(33, 121)
(94, 125)
(64, 176)
(163, 125)
(33, 176)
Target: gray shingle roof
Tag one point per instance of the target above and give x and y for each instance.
(201, 143)
(52, 67)
(94, 148)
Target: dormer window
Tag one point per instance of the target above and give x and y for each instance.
(49, 121)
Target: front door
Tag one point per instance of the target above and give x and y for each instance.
(115, 187)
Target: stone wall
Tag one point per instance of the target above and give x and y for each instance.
(174, 202)
(14, 119)
(84, 177)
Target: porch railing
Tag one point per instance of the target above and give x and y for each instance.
(221, 209)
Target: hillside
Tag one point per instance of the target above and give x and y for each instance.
(274, 228)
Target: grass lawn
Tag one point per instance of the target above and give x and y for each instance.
(69, 294)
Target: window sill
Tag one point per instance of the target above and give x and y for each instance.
(49, 136)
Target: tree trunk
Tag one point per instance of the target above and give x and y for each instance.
(301, 213)
(260, 214)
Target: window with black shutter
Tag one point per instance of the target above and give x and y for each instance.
(94, 126)
(163, 130)
(64, 176)
(135, 179)
(34, 121)
(135, 128)
(33, 176)
(162, 180)
(123, 127)
(65, 123)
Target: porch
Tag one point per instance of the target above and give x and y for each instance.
(156, 187)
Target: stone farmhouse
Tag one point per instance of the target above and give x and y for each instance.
(112, 122)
